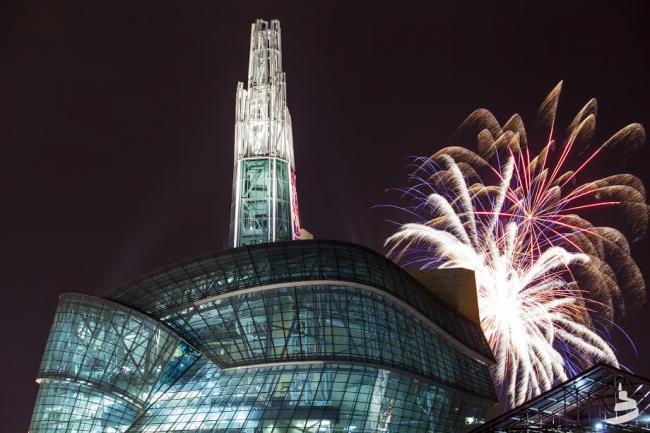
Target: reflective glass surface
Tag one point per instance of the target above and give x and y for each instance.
(282, 217)
(124, 352)
(180, 285)
(324, 323)
(104, 356)
(254, 201)
(307, 336)
(264, 212)
(318, 398)
(70, 407)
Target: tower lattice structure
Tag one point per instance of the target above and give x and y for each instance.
(265, 203)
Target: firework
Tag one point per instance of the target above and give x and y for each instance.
(546, 276)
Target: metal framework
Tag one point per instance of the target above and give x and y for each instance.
(181, 285)
(581, 404)
(265, 203)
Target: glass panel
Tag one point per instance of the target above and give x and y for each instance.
(103, 364)
(76, 408)
(313, 398)
(255, 201)
(298, 261)
(283, 202)
(326, 322)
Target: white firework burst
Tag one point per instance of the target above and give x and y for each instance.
(531, 315)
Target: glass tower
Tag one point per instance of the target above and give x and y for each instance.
(264, 201)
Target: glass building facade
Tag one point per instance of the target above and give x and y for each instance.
(268, 337)
(263, 200)
(104, 364)
(298, 336)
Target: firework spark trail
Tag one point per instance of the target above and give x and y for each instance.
(545, 274)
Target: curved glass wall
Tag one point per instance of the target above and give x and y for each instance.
(70, 407)
(310, 337)
(324, 323)
(109, 353)
(181, 285)
(317, 398)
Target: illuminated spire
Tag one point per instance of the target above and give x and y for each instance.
(265, 204)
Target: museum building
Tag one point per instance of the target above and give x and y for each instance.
(279, 334)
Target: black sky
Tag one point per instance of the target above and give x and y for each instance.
(116, 128)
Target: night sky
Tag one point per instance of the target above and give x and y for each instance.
(116, 128)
